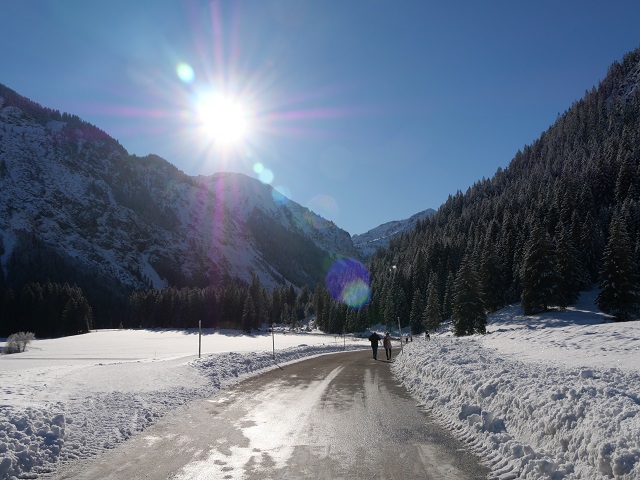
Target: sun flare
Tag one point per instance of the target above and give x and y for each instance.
(225, 120)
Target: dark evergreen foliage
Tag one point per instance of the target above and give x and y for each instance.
(417, 311)
(432, 316)
(469, 315)
(620, 294)
(31, 260)
(541, 281)
(569, 269)
(47, 309)
(568, 182)
(231, 306)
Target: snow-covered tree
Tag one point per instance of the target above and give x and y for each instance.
(432, 316)
(491, 276)
(447, 302)
(17, 342)
(417, 308)
(571, 275)
(540, 277)
(468, 316)
(248, 314)
(620, 294)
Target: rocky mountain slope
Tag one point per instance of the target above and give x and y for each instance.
(72, 199)
(367, 243)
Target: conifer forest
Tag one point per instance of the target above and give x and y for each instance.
(562, 217)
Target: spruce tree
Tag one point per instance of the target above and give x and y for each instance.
(571, 276)
(417, 308)
(491, 276)
(255, 290)
(390, 309)
(591, 247)
(540, 277)
(468, 312)
(432, 316)
(248, 314)
(1, 272)
(620, 294)
(447, 303)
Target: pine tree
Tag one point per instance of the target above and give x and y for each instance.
(570, 271)
(417, 308)
(620, 295)
(390, 309)
(540, 278)
(491, 276)
(1, 272)
(591, 247)
(468, 312)
(210, 314)
(248, 314)
(447, 303)
(432, 316)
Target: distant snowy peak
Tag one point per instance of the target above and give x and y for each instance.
(367, 243)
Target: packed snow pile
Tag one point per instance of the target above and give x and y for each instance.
(73, 397)
(545, 397)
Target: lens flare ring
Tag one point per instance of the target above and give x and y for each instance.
(348, 281)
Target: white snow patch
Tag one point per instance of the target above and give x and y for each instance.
(73, 397)
(546, 397)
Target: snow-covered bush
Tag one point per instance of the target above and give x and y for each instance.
(17, 342)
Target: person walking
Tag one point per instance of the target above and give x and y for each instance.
(374, 338)
(386, 343)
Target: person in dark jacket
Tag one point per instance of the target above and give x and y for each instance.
(374, 338)
(386, 343)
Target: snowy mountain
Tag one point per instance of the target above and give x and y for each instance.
(367, 243)
(74, 204)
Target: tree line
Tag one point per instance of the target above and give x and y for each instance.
(47, 309)
(233, 305)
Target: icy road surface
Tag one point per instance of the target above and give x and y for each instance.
(339, 416)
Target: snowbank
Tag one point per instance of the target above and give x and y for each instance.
(549, 397)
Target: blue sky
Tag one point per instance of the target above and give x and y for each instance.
(366, 111)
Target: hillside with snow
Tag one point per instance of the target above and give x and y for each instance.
(551, 396)
(75, 197)
(379, 237)
(546, 397)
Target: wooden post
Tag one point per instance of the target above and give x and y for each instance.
(199, 338)
(273, 340)
(400, 330)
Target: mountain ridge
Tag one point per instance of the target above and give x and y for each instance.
(70, 191)
(379, 237)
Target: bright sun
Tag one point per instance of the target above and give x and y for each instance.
(224, 119)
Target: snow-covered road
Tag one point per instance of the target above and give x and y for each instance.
(331, 417)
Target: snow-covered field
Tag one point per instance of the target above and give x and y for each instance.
(73, 397)
(546, 397)
(552, 396)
